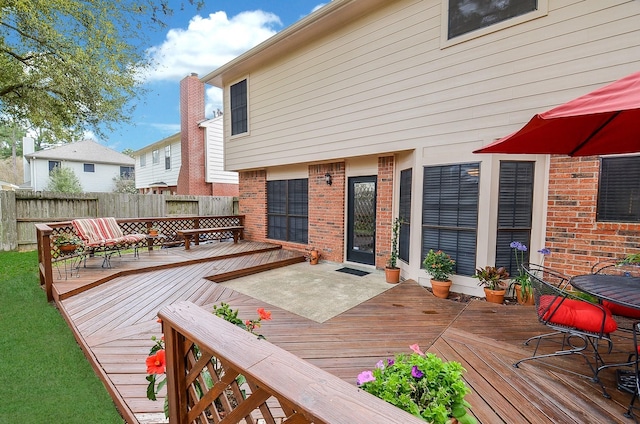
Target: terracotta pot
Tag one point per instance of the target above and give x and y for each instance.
(314, 257)
(392, 275)
(529, 301)
(495, 296)
(67, 247)
(153, 233)
(441, 288)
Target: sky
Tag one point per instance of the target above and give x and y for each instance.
(200, 42)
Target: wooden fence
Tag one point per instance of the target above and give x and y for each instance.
(20, 211)
(205, 355)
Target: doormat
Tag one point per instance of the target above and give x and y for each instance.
(353, 271)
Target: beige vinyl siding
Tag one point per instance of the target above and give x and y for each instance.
(214, 153)
(384, 83)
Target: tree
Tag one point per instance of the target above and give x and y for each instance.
(129, 152)
(74, 65)
(63, 180)
(125, 184)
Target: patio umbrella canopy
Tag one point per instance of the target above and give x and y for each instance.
(605, 121)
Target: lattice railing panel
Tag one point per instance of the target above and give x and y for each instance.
(277, 386)
(213, 392)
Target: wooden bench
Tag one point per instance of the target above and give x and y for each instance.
(236, 231)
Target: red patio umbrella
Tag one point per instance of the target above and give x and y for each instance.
(605, 121)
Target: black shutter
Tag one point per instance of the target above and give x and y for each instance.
(619, 190)
(406, 178)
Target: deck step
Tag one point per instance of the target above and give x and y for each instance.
(264, 262)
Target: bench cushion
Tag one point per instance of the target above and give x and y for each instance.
(103, 232)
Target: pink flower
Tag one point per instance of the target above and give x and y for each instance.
(365, 377)
(416, 349)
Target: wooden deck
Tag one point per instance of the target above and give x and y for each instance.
(113, 315)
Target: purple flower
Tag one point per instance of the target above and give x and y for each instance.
(415, 372)
(544, 251)
(518, 246)
(390, 362)
(380, 364)
(365, 377)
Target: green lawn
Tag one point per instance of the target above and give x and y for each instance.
(44, 376)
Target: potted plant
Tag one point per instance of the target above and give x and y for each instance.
(313, 256)
(421, 384)
(153, 231)
(439, 266)
(67, 242)
(521, 283)
(492, 279)
(391, 271)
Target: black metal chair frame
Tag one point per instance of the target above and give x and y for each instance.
(546, 281)
(628, 381)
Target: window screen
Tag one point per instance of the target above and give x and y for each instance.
(288, 210)
(238, 97)
(404, 213)
(515, 209)
(466, 16)
(450, 213)
(619, 190)
(89, 167)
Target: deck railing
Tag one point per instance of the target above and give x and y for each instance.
(48, 252)
(205, 355)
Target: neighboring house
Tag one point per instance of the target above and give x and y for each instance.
(370, 109)
(191, 161)
(158, 165)
(95, 165)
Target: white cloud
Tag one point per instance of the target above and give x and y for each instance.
(209, 43)
(318, 7)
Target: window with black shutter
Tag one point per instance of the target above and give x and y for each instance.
(288, 210)
(406, 177)
(515, 211)
(238, 97)
(619, 189)
(450, 213)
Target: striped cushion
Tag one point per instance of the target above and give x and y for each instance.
(97, 230)
(103, 232)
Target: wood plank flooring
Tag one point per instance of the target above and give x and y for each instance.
(115, 320)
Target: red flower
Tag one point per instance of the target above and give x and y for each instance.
(265, 315)
(156, 363)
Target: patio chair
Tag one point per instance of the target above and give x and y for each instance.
(578, 324)
(628, 380)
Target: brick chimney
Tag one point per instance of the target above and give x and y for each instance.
(191, 179)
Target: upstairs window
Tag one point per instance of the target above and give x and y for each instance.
(89, 167)
(143, 159)
(155, 157)
(466, 16)
(238, 95)
(127, 172)
(167, 157)
(618, 191)
(53, 164)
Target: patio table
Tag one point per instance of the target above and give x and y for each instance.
(620, 289)
(623, 290)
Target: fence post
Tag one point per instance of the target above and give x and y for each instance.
(43, 233)
(175, 371)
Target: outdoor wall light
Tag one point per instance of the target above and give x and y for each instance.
(327, 178)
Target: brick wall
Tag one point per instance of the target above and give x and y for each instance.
(326, 210)
(224, 189)
(191, 179)
(253, 204)
(574, 237)
(384, 210)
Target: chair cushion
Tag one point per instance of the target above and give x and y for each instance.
(623, 311)
(574, 313)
